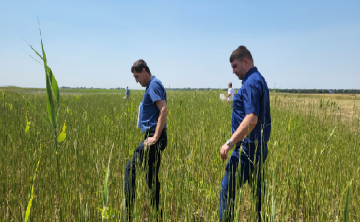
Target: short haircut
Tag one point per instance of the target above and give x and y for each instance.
(240, 53)
(230, 84)
(139, 65)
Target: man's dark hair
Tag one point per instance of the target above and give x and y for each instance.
(139, 65)
(240, 53)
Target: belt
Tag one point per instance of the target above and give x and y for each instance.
(239, 144)
(152, 130)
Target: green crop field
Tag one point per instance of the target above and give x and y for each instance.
(63, 157)
(311, 174)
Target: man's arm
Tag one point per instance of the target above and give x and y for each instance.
(245, 128)
(228, 95)
(161, 104)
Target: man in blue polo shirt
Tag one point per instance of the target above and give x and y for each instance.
(127, 92)
(153, 114)
(251, 126)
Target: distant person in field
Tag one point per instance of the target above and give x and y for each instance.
(127, 93)
(152, 116)
(231, 92)
(251, 126)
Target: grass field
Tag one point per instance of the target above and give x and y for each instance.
(311, 174)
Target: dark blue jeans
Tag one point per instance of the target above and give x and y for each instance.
(249, 168)
(151, 157)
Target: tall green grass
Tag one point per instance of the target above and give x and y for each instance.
(313, 156)
(53, 107)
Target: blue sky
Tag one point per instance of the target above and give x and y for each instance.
(295, 44)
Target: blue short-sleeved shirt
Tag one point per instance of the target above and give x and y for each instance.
(127, 92)
(253, 97)
(155, 91)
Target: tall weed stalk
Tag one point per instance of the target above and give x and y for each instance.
(53, 107)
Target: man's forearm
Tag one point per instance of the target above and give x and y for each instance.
(161, 123)
(245, 128)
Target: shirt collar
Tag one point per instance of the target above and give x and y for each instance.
(251, 71)
(151, 79)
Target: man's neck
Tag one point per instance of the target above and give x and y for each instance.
(252, 66)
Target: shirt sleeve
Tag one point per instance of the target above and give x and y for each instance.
(157, 92)
(251, 96)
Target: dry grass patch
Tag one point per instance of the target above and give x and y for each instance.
(348, 104)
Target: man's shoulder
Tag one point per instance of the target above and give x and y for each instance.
(256, 79)
(156, 83)
(157, 87)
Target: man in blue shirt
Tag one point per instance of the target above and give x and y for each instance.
(127, 93)
(251, 126)
(153, 114)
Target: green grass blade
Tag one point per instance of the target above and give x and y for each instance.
(86, 212)
(55, 88)
(347, 204)
(27, 214)
(331, 134)
(273, 209)
(51, 87)
(62, 135)
(49, 103)
(32, 57)
(34, 50)
(49, 100)
(44, 55)
(105, 190)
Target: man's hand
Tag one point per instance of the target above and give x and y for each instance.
(224, 150)
(150, 141)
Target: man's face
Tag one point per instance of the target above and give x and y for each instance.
(142, 77)
(239, 68)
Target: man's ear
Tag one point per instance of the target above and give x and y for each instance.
(246, 61)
